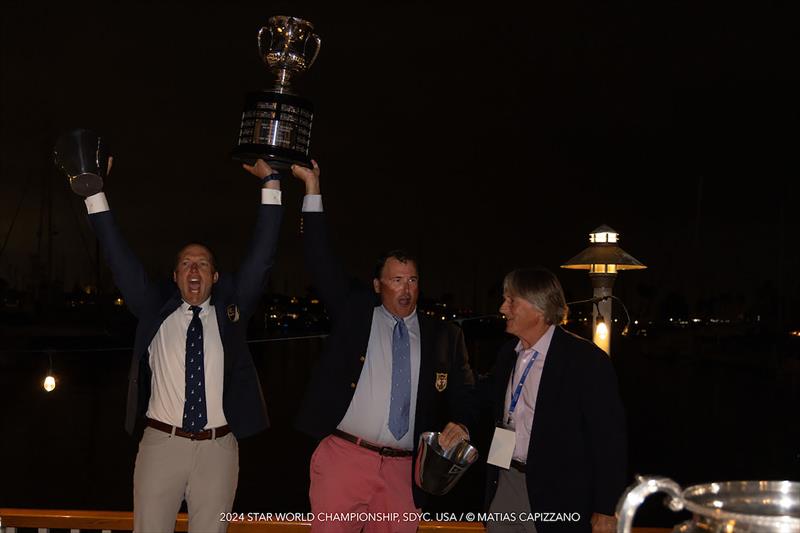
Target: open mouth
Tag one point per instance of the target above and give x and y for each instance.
(194, 284)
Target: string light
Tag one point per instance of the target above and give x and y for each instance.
(49, 383)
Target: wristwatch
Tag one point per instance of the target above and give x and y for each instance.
(269, 177)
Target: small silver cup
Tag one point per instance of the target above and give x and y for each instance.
(437, 470)
(82, 156)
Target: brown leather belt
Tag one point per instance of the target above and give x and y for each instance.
(518, 465)
(206, 434)
(382, 450)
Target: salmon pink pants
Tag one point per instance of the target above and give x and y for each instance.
(355, 489)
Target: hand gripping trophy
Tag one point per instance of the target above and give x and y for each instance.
(276, 123)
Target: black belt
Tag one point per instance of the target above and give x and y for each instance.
(518, 465)
(206, 434)
(382, 450)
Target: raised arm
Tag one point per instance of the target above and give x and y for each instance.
(139, 292)
(326, 270)
(129, 274)
(252, 275)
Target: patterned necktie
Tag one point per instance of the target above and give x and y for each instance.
(400, 405)
(194, 408)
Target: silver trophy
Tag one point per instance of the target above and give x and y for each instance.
(437, 470)
(276, 123)
(82, 156)
(724, 507)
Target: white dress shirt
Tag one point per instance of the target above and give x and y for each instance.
(168, 364)
(522, 418)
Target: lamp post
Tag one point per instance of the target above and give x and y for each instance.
(603, 259)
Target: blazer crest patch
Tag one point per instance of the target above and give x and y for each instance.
(233, 312)
(441, 381)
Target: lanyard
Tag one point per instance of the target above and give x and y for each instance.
(518, 390)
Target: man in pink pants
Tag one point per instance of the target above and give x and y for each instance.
(387, 374)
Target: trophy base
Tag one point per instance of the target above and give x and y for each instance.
(275, 157)
(275, 127)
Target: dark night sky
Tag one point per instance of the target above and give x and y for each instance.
(482, 137)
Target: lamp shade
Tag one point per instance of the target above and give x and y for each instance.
(604, 254)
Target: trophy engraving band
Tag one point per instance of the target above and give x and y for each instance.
(283, 121)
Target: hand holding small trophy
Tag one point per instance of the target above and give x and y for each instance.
(276, 123)
(83, 157)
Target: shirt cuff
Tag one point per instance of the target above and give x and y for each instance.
(96, 203)
(270, 197)
(312, 203)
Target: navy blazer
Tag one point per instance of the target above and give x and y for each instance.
(577, 456)
(234, 298)
(333, 381)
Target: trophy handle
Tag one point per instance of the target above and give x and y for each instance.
(316, 51)
(261, 47)
(636, 494)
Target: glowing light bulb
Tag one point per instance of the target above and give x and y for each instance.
(602, 331)
(49, 383)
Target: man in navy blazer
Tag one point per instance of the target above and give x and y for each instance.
(555, 399)
(192, 379)
(364, 462)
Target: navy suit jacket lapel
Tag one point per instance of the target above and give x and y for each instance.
(426, 363)
(223, 321)
(552, 375)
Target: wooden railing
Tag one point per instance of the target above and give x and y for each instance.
(107, 521)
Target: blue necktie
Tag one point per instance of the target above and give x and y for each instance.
(400, 405)
(194, 408)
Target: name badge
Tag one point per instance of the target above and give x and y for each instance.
(502, 448)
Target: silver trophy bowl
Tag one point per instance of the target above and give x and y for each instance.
(288, 46)
(82, 156)
(437, 470)
(723, 507)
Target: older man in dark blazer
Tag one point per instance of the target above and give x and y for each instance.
(556, 404)
(387, 374)
(192, 380)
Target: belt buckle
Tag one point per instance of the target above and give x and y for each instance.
(385, 451)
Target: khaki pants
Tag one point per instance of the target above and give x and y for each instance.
(511, 497)
(170, 469)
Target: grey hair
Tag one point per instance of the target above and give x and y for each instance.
(541, 288)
